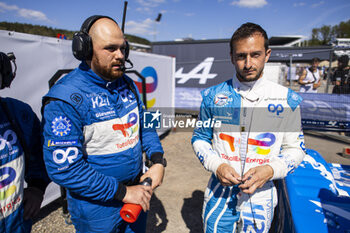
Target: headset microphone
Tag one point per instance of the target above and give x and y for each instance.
(122, 67)
(131, 64)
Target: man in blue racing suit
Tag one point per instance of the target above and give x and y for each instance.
(94, 134)
(21, 159)
(259, 139)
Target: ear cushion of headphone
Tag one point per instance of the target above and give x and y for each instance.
(82, 46)
(6, 71)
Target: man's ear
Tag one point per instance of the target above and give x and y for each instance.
(268, 54)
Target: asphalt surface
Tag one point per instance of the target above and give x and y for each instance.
(177, 205)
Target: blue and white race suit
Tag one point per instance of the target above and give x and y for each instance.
(260, 125)
(92, 131)
(12, 164)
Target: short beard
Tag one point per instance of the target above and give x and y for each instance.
(241, 78)
(106, 73)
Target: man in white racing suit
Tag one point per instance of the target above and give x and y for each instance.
(259, 139)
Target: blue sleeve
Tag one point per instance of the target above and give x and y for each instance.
(29, 124)
(63, 155)
(203, 133)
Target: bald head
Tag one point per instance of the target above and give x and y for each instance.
(108, 49)
(105, 29)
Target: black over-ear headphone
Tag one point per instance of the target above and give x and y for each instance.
(82, 43)
(6, 74)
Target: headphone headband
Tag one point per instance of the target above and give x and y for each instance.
(85, 27)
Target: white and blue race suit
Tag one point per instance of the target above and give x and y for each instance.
(12, 159)
(92, 146)
(260, 125)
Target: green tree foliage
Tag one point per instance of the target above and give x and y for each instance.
(136, 39)
(51, 32)
(35, 29)
(325, 34)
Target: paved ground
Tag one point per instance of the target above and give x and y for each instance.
(176, 205)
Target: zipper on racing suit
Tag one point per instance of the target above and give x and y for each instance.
(245, 124)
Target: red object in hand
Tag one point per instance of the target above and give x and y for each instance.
(130, 212)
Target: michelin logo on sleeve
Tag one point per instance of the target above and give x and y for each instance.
(62, 143)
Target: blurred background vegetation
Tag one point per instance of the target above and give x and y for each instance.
(325, 34)
(53, 32)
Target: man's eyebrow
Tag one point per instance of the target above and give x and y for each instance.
(241, 53)
(114, 46)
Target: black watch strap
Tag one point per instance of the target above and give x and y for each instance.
(162, 161)
(157, 157)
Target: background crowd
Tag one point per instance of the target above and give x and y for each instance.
(339, 82)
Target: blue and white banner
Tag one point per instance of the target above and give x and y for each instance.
(325, 111)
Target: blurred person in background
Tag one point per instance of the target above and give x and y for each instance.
(341, 76)
(310, 79)
(21, 158)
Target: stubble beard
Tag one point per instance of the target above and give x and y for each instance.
(106, 72)
(242, 78)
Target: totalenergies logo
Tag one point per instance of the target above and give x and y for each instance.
(261, 144)
(128, 129)
(10, 175)
(149, 73)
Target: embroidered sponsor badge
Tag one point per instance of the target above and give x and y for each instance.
(76, 98)
(61, 126)
(62, 143)
(222, 99)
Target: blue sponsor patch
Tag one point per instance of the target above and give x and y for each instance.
(61, 126)
(293, 99)
(62, 143)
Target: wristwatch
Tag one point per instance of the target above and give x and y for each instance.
(162, 161)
